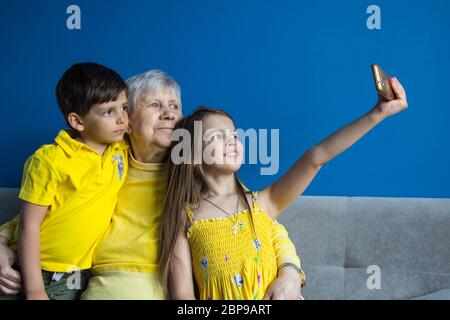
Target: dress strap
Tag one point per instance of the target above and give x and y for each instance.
(246, 190)
(189, 213)
(255, 200)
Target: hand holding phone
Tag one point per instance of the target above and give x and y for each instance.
(382, 83)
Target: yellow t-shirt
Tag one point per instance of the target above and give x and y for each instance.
(8, 229)
(131, 242)
(80, 186)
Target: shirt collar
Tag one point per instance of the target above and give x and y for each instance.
(67, 143)
(71, 146)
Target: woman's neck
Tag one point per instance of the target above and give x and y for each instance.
(148, 153)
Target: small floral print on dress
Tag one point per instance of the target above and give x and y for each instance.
(204, 263)
(257, 243)
(238, 280)
(227, 258)
(255, 196)
(259, 278)
(241, 225)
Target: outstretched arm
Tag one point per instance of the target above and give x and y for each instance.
(279, 195)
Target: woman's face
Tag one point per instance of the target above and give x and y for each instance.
(154, 118)
(222, 150)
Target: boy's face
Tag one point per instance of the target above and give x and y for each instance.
(106, 122)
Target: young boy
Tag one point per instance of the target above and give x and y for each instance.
(69, 188)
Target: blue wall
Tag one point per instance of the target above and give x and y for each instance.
(301, 66)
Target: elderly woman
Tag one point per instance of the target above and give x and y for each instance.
(125, 261)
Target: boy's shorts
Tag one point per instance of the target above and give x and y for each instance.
(60, 285)
(65, 285)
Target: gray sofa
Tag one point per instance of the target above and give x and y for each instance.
(339, 238)
(404, 243)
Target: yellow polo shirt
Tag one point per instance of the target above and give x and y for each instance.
(80, 186)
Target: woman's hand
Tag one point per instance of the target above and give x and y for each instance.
(286, 287)
(388, 108)
(10, 279)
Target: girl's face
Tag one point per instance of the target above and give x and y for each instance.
(221, 149)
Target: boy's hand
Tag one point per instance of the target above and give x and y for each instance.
(388, 108)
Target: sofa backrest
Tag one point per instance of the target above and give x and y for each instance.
(9, 204)
(345, 241)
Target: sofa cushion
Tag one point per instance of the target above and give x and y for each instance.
(341, 237)
(440, 295)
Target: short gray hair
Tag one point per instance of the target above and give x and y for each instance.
(149, 82)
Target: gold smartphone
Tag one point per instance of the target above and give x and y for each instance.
(382, 83)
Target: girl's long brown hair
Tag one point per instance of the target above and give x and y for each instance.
(185, 186)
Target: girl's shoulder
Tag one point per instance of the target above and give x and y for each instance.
(261, 201)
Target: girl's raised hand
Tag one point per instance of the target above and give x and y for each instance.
(388, 108)
(277, 197)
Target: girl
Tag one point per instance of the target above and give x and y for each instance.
(219, 233)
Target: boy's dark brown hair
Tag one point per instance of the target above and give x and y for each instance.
(86, 84)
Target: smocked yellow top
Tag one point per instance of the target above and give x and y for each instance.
(230, 260)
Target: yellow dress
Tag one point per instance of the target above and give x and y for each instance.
(231, 259)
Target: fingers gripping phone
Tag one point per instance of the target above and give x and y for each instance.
(382, 83)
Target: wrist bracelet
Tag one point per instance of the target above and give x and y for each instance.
(297, 268)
